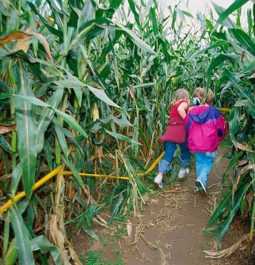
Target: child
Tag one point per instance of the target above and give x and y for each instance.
(199, 96)
(205, 128)
(175, 134)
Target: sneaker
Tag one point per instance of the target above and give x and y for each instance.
(183, 173)
(158, 181)
(200, 187)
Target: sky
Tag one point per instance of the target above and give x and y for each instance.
(200, 5)
(203, 6)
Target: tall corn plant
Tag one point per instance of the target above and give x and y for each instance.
(86, 84)
(231, 74)
(44, 97)
(73, 78)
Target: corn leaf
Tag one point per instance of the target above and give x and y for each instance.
(67, 118)
(244, 39)
(46, 118)
(4, 144)
(11, 256)
(60, 136)
(227, 21)
(122, 137)
(41, 243)
(133, 9)
(245, 94)
(16, 176)
(140, 43)
(220, 59)
(22, 240)
(235, 6)
(26, 130)
(99, 93)
(236, 206)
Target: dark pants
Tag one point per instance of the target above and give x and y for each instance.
(170, 147)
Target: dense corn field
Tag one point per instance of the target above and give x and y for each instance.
(86, 85)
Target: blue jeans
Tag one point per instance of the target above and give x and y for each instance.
(204, 164)
(170, 147)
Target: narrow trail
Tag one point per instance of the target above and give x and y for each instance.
(169, 230)
(173, 222)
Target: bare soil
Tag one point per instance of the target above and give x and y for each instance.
(169, 230)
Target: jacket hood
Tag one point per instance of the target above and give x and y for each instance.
(200, 114)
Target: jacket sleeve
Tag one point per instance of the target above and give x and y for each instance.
(222, 128)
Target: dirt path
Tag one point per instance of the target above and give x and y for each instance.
(174, 222)
(169, 229)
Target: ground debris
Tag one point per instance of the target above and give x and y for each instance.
(212, 254)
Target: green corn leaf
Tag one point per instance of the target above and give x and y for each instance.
(60, 136)
(220, 210)
(235, 6)
(220, 59)
(140, 43)
(66, 117)
(16, 176)
(250, 20)
(5, 145)
(249, 68)
(245, 94)
(115, 3)
(86, 14)
(48, 153)
(227, 21)
(116, 208)
(244, 39)
(46, 118)
(45, 22)
(72, 122)
(99, 93)
(75, 172)
(123, 122)
(26, 130)
(133, 9)
(174, 19)
(73, 139)
(122, 137)
(154, 21)
(22, 240)
(90, 232)
(11, 256)
(234, 124)
(4, 95)
(41, 243)
(32, 100)
(70, 82)
(239, 196)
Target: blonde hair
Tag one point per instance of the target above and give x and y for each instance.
(200, 92)
(180, 94)
(210, 97)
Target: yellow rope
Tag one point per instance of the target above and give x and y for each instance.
(22, 194)
(69, 173)
(224, 110)
(58, 170)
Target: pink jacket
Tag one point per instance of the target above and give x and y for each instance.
(205, 128)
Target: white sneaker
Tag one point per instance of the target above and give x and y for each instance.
(158, 181)
(183, 173)
(200, 187)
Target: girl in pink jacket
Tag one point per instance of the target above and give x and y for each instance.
(205, 127)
